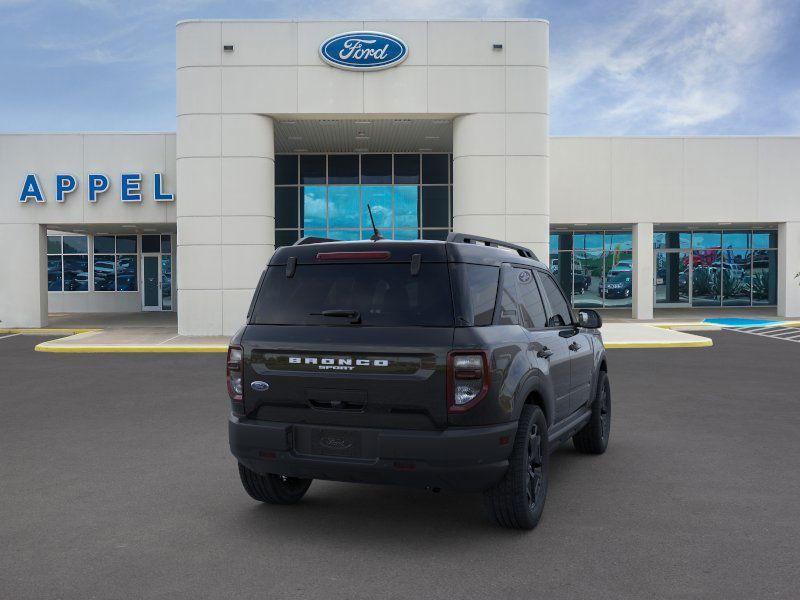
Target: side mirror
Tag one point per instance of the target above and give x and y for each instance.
(589, 318)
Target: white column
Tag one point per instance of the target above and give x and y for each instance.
(226, 223)
(248, 211)
(788, 267)
(642, 271)
(501, 178)
(23, 273)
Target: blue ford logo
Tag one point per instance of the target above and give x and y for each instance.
(363, 50)
(260, 386)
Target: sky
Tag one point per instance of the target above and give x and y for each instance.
(629, 67)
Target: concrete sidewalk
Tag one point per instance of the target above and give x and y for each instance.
(157, 339)
(120, 332)
(158, 332)
(645, 335)
(134, 339)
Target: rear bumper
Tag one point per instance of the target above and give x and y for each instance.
(464, 459)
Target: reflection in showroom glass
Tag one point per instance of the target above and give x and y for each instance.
(410, 196)
(716, 268)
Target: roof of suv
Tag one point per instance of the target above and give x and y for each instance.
(403, 250)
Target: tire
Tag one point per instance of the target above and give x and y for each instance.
(593, 438)
(517, 501)
(273, 489)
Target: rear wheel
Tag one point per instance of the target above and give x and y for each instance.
(273, 489)
(518, 500)
(593, 438)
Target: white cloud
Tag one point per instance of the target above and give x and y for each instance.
(126, 35)
(409, 9)
(669, 69)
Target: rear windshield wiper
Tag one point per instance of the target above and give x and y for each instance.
(353, 315)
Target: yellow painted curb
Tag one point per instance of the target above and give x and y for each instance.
(704, 343)
(686, 326)
(74, 349)
(46, 331)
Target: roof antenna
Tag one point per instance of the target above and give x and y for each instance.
(377, 235)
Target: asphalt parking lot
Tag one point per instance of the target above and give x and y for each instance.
(116, 482)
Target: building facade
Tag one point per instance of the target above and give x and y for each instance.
(282, 132)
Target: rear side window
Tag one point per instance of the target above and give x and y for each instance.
(475, 291)
(530, 299)
(508, 297)
(561, 315)
(383, 294)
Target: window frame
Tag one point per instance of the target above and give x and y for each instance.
(60, 258)
(548, 307)
(692, 249)
(573, 247)
(87, 254)
(542, 297)
(287, 235)
(117, 256)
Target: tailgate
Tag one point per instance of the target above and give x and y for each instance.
(388, 377)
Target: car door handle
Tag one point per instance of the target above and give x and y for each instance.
(574, 346)
(544, 352)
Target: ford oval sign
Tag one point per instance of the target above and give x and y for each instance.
(363, 50)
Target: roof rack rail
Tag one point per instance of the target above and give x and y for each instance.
(466, 238)
(312, 240)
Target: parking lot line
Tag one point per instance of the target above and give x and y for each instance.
(2, 337)
(789, 334)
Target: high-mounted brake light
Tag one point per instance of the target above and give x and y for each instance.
(233, 374)
(368, 255)
(468, 379)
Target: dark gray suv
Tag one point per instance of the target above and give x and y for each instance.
(451, 364)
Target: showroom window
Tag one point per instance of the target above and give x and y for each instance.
(67, 263)
(716, 267)
(326, 195)
(115, 263)
(594, 268)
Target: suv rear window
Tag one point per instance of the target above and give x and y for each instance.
(384, 294)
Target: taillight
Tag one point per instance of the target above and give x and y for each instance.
(233, 373)
(468, 379)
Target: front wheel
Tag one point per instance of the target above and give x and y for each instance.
(273, 489)
(593, 438)
(517, 501)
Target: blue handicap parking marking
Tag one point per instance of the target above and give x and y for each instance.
(742, 322)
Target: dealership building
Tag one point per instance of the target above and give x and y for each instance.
(288, 129)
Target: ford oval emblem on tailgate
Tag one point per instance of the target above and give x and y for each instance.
(260, 386)
(335, 443)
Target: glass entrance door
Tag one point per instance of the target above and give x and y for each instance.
(151, 276)
(157, 269)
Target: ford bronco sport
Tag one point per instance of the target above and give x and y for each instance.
(451, 364)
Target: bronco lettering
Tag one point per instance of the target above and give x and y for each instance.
(338, 363)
